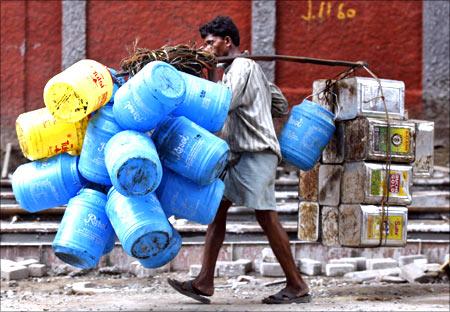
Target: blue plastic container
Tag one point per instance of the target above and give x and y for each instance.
(305, 134)
(100, 129)
(117, 83)
(47, 183)
(84, 229)
(149, 96)
(133, 164)
(190, 150)
(165, 255)
(111, 241)
(206, 103)
(185, 199)
(139, 223)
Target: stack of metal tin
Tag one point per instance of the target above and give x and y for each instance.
(344, 198)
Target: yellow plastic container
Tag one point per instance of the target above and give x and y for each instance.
(79, 90)
(41, 135)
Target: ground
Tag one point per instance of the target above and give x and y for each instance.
(129, 293)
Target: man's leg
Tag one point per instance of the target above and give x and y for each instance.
(215, 235)
(279, 242)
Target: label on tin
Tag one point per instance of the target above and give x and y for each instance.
(396, 185)
(399, 140)
(394, 227)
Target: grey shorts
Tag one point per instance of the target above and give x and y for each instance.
(251, 181)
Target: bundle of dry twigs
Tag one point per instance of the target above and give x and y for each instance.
(185, 58)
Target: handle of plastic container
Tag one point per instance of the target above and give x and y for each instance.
(336, 104)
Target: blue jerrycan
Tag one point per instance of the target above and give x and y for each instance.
(148, 97)
(190, 150)
(100, 129)
(166, 255)
(139, 223)
(306, 133)
(133, 163)
(206, 103)
(84, 230)
(47, 183)
(185, 199)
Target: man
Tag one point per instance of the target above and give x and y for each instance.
(255, 154)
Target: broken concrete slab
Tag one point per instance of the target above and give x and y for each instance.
(14, 272)
(393, 279)
(88, 288)
(339, 269)
(234, 268)
(139, 270)
(194, 270)
(362, 276)
(27, 262)
(404, 260)
(37, 270)
(271, 269)
(359, 262)
(268, 255)
(309, 267)
(381, 263)
(413, 273)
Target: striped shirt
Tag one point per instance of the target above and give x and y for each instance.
(249, 126)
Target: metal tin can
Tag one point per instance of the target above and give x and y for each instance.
(361, 96)
(359, 226)
(365, 139)
(308, 221)
(308, 184)
(424, 160)
(365, 183)
(333, 153)
(330, 184)
(329, 217)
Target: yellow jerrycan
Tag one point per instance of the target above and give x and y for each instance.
(40, 135)
(78, 90)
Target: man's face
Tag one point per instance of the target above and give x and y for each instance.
(217, 45)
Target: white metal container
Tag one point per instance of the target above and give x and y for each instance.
(359, 226)
(365, 139)
(329, 227)
(364, 182)
(360, 96)
(330, 184)
(424, 160)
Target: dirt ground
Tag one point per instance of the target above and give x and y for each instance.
(128, 293)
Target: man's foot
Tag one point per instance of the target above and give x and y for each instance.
(285, 296)
(186, 288)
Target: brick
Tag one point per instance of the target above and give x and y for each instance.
(194, 270)
(37, 270)
(393, 279)
(404, 260)
(234, 268)
(338, 269)
(268, 255)
(381, 263)
(14, 272)
(271, 269)
(368, 275)
(27, 262)
(432, 267)
(359, 262)
(309, 266)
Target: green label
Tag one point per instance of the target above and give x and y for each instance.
(399, 140)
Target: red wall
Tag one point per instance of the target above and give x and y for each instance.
(30, 54)
(387, 34)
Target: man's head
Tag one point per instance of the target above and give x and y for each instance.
(220, 36)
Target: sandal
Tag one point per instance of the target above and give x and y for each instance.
(284, 297)
(186, 288)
